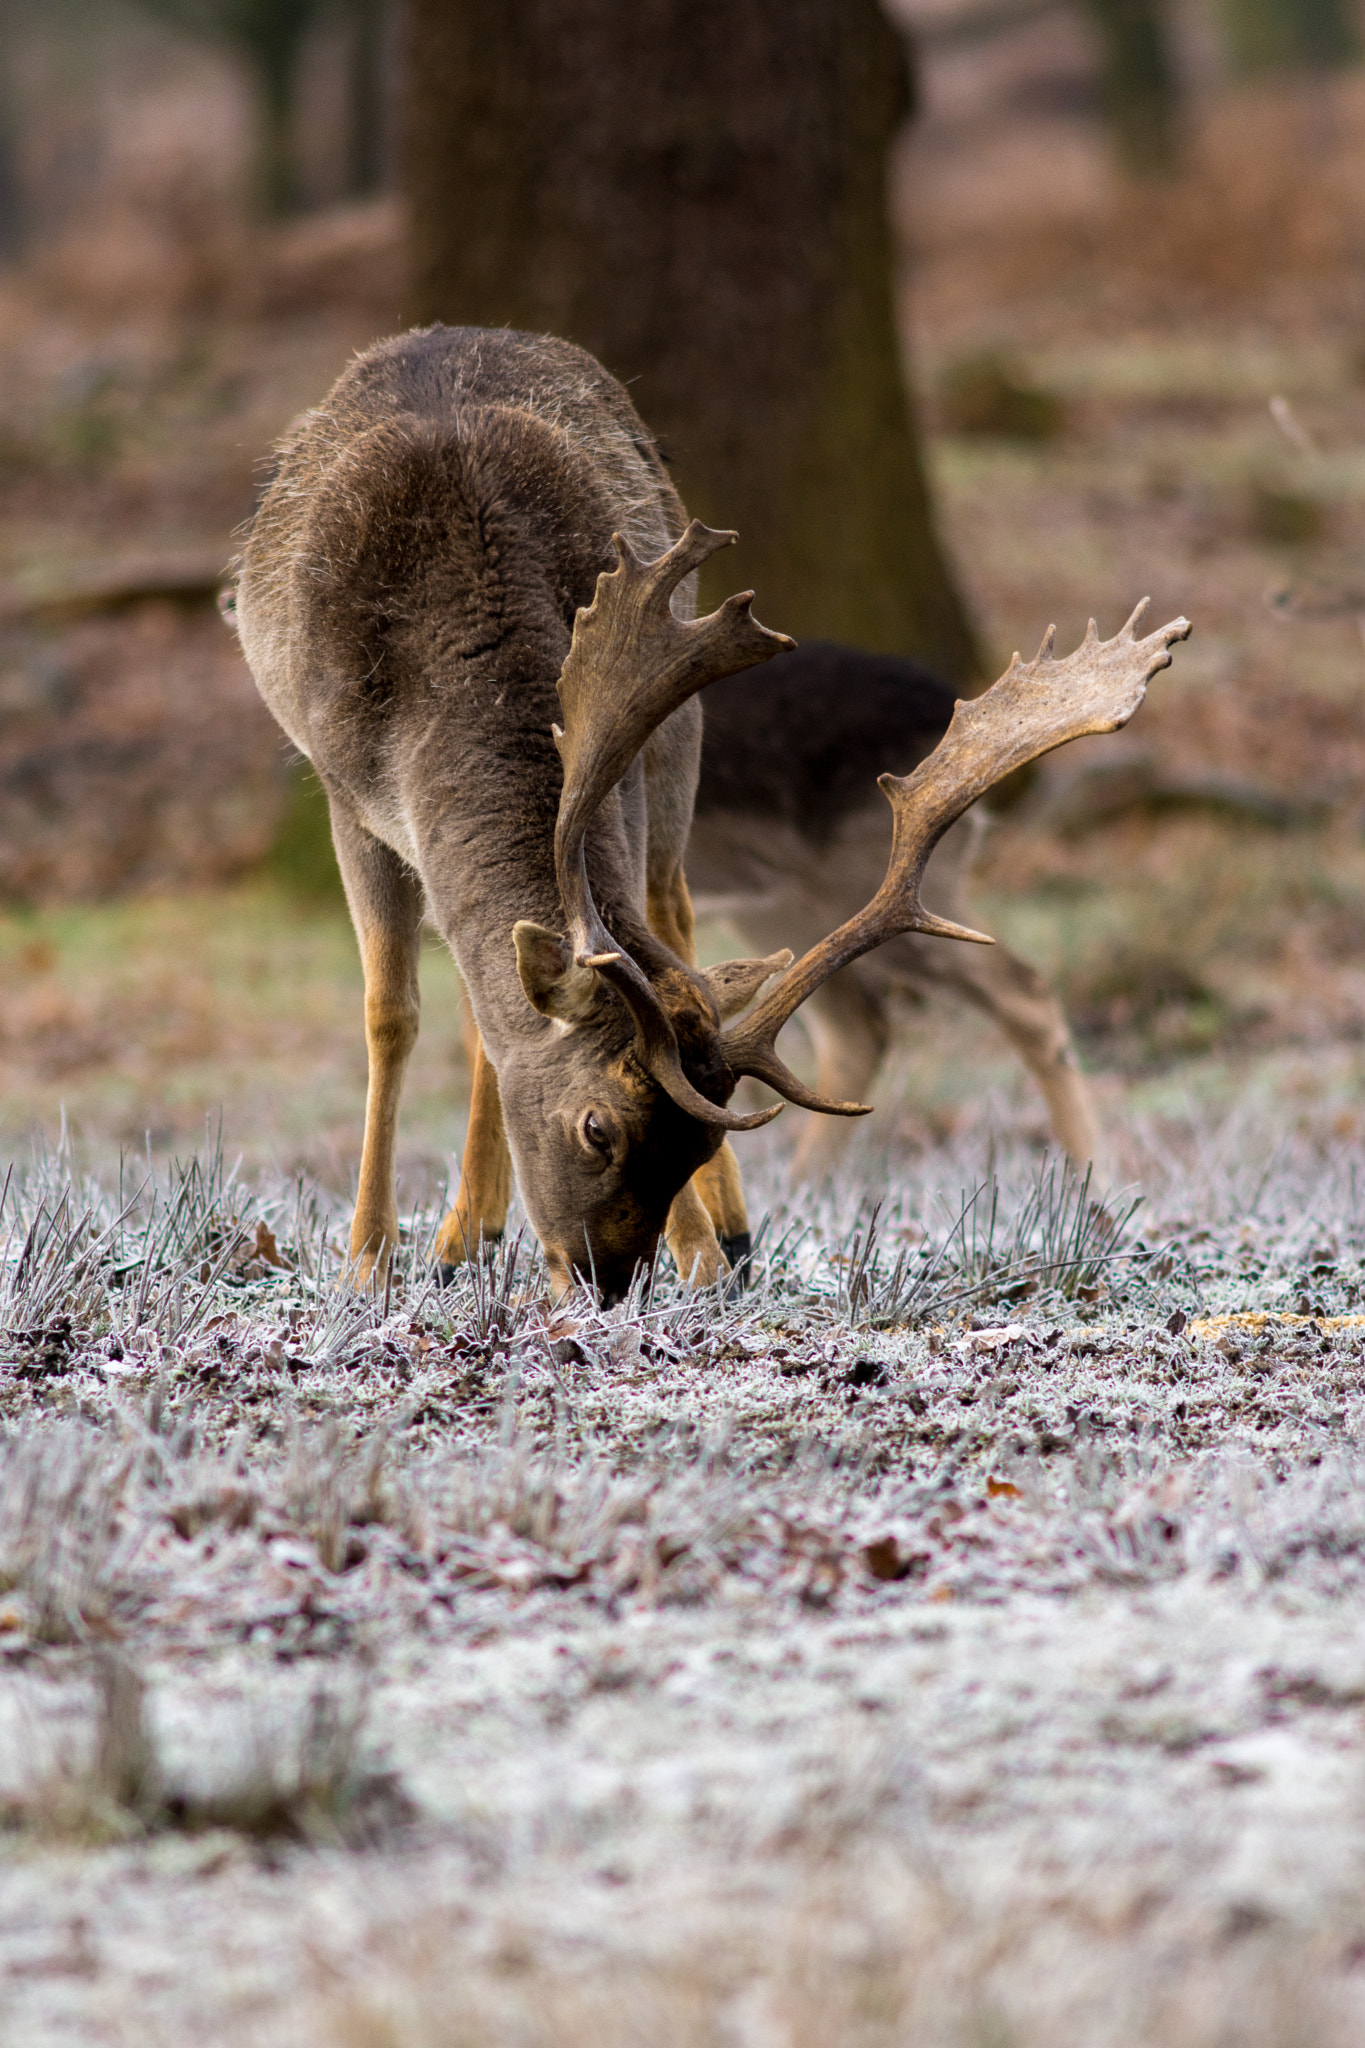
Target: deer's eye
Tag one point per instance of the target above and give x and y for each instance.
(596, 1136)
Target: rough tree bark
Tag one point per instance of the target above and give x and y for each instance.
(698, 195)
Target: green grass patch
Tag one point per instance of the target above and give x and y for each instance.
(303, 859)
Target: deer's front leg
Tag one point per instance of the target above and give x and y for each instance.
(691, 1237)
(480, 1212)
(385, 900)
(721, 1190)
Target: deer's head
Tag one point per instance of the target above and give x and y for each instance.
(625, 1093)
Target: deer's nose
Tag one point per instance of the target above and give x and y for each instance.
(563, 1279)
(606, 1273)
(610, 1274)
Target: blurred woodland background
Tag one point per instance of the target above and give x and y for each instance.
(1118, 247)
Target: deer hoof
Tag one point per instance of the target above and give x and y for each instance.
(739, 1251)
(446, 1269)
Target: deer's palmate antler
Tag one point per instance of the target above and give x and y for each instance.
(632, 663)
(1035, 706)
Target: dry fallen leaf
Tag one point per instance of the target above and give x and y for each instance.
(268, 1250)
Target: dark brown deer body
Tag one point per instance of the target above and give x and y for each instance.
(789, 837)
(471, 545)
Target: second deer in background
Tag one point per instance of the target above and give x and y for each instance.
(789, 838)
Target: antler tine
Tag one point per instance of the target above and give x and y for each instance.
(657, 1047)
(1034, 707)
(631, 664)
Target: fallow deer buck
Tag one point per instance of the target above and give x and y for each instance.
(789, 838)
(471, 539)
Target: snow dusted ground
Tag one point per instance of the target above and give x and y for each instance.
(957, 1639)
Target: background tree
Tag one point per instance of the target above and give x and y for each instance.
(13, 205)
(1141, 87)
(268, 37)
(1263, 35)
(1140, 83)
(698, 195)
(366, 96)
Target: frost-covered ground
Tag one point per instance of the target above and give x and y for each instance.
(958, 1639)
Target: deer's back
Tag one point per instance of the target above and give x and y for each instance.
(427, 535)
(791, 832)
(803, 739)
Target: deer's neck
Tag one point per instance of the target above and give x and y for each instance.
(478, 795)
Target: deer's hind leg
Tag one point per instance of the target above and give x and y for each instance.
(1013, 994)
(708, 1218)
(848, 1026)
(479, 1216)
(385, 899)
(1029, 1013)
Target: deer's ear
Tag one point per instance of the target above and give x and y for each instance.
(735, 983)
(554, 982)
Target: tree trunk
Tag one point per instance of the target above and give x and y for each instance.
(1141, 86)
(1264, 35)
(365, 98)
(13, 199)
(267, 36)
(276, 174)
(270, 35)
(698, 196)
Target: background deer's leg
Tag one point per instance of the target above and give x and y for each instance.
(1016, 997)
(848, 1026)
(385, 900)
(1010, 992)
(708, 1218)
(480, 1211)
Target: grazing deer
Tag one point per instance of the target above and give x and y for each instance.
(789, 838)
(467, 596)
